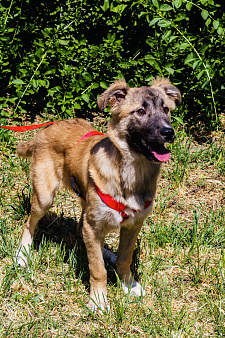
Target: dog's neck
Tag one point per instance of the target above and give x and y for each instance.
(118, 138)
(124, 173)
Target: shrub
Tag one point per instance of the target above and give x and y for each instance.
(58, 56)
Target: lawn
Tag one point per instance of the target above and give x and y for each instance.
(179, 256)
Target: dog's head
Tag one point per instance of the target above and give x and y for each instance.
(142, 115)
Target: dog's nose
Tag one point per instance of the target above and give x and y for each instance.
(168, 134)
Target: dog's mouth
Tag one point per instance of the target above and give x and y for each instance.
(154, 152)
(160, 153)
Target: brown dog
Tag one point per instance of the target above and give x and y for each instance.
(115, 173)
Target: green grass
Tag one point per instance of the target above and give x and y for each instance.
(179, 257)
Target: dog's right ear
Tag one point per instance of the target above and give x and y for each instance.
(116, 93)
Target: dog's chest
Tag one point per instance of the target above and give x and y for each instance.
(139, 178)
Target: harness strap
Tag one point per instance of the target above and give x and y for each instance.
(91, 133)
(72, 178)
(118, 206)
(110, 201)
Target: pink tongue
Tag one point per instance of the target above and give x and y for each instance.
(160, 152)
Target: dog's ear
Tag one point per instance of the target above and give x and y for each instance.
(172, 93)
(113, 95)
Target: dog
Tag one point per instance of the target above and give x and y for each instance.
(114, 174)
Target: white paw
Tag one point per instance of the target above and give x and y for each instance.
(21, 257)
(99, 308)
(134, 288)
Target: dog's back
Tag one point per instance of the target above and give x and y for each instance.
(70, 131)
(56, 151)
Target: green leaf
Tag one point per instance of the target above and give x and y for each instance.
(177, 3)
(155, 3)
(205, 83)
(150, 59)
(94, 85)
(76, 105)
(166, 35)
(204, 14)
(216, 24)
(196, 64)
(164, 23)
(18, 81)
(188, 6)
(153, 21)
(69, 112)
(208, 22)
(87, 76)
(179, 119)
(165, 8)
(170, 70)
(85, 97)
(103, 85)
(200, 74)
(184, 45)
(105, 5)
(189, 58)
(63, 42)
(220, 30)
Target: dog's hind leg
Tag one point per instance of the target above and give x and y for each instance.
(128, 237)
(43, 194)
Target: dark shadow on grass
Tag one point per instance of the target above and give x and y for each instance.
(63, 231)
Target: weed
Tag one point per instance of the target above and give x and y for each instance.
(21, 205)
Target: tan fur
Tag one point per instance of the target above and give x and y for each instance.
(109, 162)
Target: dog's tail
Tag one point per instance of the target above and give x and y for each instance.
(25, 149)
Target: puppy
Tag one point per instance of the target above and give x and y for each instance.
(114, 174)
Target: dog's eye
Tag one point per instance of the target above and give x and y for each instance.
(166, 109)
(141, 111)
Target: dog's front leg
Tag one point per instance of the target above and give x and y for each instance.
(128, 237)
(94, 241)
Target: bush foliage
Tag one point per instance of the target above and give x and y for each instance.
(57, 56)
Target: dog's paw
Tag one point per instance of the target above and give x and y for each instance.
(21, 257)
(21, 260)
(98, 308)
(98, 302)
(133, 288)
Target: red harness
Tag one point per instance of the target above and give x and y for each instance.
(107, 199)
(118, 206)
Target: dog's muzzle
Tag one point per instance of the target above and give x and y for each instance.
(168, 134)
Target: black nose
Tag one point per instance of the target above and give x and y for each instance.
(168, 134)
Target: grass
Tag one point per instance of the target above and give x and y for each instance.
(179, 257)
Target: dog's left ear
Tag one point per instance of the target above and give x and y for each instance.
(116, 93)
(173, 94)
